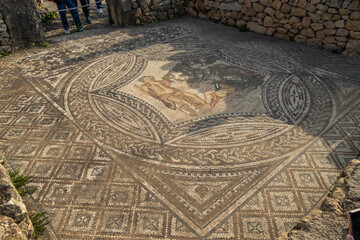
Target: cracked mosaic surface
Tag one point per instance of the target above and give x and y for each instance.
(178, 130)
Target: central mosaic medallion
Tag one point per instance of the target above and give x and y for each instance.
(197, 88)
(200, 128)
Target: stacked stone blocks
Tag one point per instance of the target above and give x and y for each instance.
(5, 42)
(332, 24)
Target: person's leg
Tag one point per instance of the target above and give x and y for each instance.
(98, 4)
(85, 8)
(70, 4)
(63, 16)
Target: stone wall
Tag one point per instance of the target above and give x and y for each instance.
(332, 24)
(148, 11)
(22, 21)
(5, 42)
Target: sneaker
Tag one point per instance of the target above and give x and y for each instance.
(100, 10)
(80, 29)
(88, 20)
(67, 31)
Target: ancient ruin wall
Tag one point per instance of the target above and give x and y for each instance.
(332, 24)
(148, 11)
(20, 24)
(5, 42)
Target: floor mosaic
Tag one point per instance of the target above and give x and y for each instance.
(178, 130)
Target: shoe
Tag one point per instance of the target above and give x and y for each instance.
(88, 20)
(67, 31)
(100, 10)
(80, 29)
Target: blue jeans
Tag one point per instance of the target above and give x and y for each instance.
(74, 13)
(98, 4)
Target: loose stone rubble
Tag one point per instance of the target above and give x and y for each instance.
(330, 221)
(14, 218)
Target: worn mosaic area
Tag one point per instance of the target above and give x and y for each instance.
(171, 133)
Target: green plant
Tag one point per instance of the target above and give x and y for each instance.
(39, 221)
(244, 28)
(44, 44)
(5, 54)
(138, 22)
(49, 16)
(20, 182)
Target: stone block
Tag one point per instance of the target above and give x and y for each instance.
(253, 26)
(270, 31)
(336, 18)
(285, 8)
(317, 26)
(233, 6)
(341, 39)
(333, 11)
(293, 20)
(344, 12)
(10, 230)
(269, 11)
(330, 46)
(314, 42)
(314, 17)
(310, 7)
(258, 7)
(300, 39)
(341, 44)
(353, 47)
(299, 12)
(355, 15)
(330, 32)
(354, 5)
(326, 16)
(279, 15)
(3, 27)
(281, 30)
(306, 21)
(308, 32)
(355, 35)
(199, 5)
(322, 7)
(329, 24)
(340, 24)
(281, 35)
(268, 22)
(334, 3)
(276, 4)
(301, 3)
(249, 12)
(297, 26)
(267, 3)
(320, 35)
(342, 32)
(352, 25)
(211, 4)
(329, 39)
